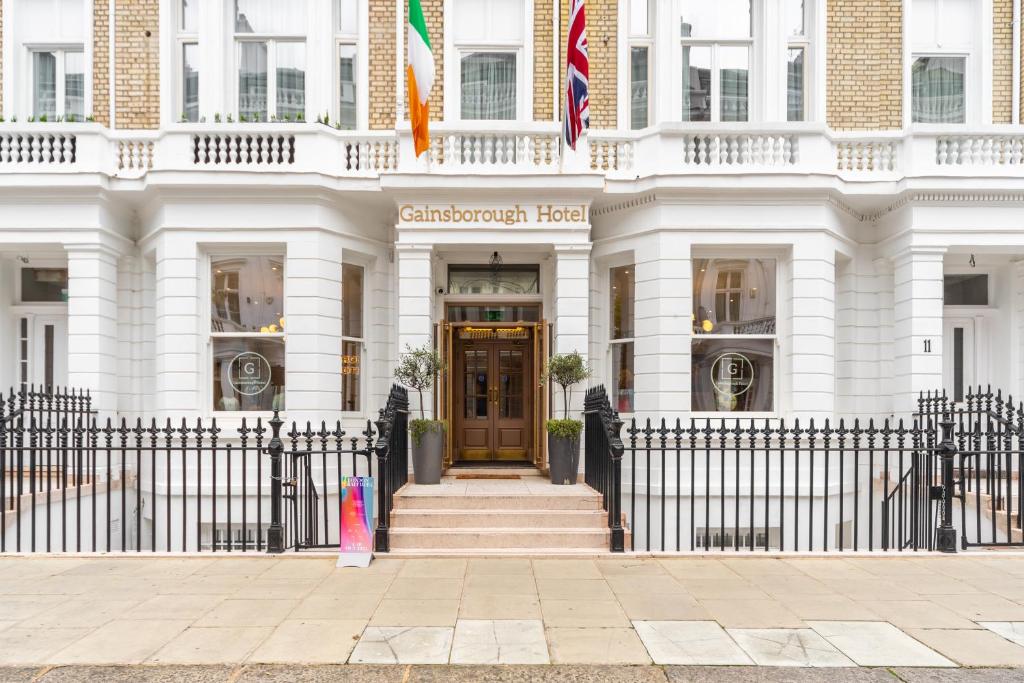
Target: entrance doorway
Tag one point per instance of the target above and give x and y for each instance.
(959, 359)
(493, 401)
(42, 350)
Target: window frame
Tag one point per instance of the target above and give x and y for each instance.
(801, 41)
(753, 45)
(777, 369)
(956, 54)
(364, 300)
(640, 40)
(272, 40)
(976, 51)
(249, 251)
(342, 40)
(60, 50)
(609, 362)
(184, 37)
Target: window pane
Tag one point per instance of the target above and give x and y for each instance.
(347, 86)
(189, 10)
(622, 377)
(484, 280)
(351, 352)
(733, 375)
(965, 290)
(719, 19)
(291, 81)
(733, 65)
(44, 285)
(248, 374)
(622, 286)
(270, 16)
(74, 86)
(795, 85)
(734, 296)
(696, 83)
(252, 81)
(794, 17)
(638, 92)
(347, 14)
(493, 314)
(351, 301)
(247, 294)
(44, 93)
(639, 17)
(489, 86)
(190, 82)
(489, 21)
(937, 89)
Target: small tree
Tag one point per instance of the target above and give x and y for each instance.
(417, 369)
(565, 370)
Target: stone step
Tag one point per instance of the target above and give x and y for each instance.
(498, 538)
(482, 501)
(518, 518)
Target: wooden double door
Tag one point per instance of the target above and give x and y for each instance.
(494, 392)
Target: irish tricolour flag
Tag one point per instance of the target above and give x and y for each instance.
(421, 77)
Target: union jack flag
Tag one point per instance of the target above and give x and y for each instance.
(577, 74)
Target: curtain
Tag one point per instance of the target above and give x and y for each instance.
(937, 87)
(732, 75)
(638, 88)
(252, 81)
(489, 86)
(44, 94)
(291, 80)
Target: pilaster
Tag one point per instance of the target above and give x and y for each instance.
(92, 323)
(917, 312)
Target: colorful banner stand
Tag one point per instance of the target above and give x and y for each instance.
(356, 523)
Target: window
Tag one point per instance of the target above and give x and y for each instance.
(188, 48)
(347, 34)
(247, 332)
(489, 45)
(620, 342)
(716, 43)
(487, 280)
(733, 348)
(943, 43)
(271, 60)
(640, 50)
(351, 336)
(965, 290)
(44, 285)
(796, 59)
(58, 84)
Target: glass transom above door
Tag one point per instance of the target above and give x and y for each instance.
(503, 280)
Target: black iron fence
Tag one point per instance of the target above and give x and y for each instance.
(393, 461)
(603, 459)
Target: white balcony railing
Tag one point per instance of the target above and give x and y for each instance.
(534, 148)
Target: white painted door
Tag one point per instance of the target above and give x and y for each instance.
(959, 357)
(48, 351)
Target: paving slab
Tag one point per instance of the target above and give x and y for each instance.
(84, 612)
(403, 645)
(310, 641)
(489, 641)
(689, 642)
(583, 613)
(500, 607)
(971, 648)
(877, 644)
(828, 608)
(499, 566)
(696, 568)
(332, 607)
(205, 645)
(788, 647)
(984, 607)
(400, 612)
(1011, 630)
(243, 613)
(661, 607)
(917, 614)
(408, 588)
(751, 614)
(120, 642)
(596, 646)
(574, 589)
(35, 645)
(434, 569)
(566, 569)
(189, 607)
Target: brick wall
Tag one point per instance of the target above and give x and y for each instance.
(382, 64)
(602, 42)
(1002, 60)
(137, 63)
(865, 73)
(543, 59)
(433, 14)
(100, 64)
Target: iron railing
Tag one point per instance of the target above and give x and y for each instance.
(392, 461)
(603, 460)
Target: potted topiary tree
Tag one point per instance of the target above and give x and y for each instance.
(565, 370)
(417, 369)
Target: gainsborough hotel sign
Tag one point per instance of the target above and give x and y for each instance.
(544, 214)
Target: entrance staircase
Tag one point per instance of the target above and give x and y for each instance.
(495, 512)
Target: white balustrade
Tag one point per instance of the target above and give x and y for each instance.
(979, 150)
(134, 155)
(611, 154)
(497, 151)
(43, 148)
(243, 149)
(741, 149)
(877, 156)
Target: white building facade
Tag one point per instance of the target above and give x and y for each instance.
(721, 251)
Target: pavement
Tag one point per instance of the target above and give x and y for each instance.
(262, 618)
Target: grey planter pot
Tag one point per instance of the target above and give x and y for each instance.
(563, 459)
(427, 457)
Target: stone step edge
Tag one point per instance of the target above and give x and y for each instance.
(466, 531)
(512, 512)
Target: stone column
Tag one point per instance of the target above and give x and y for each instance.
(179, 331)
(313, 326)
(415, 307)
(664, 302)
(918, 324)
(92, 323)
(812, 342)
